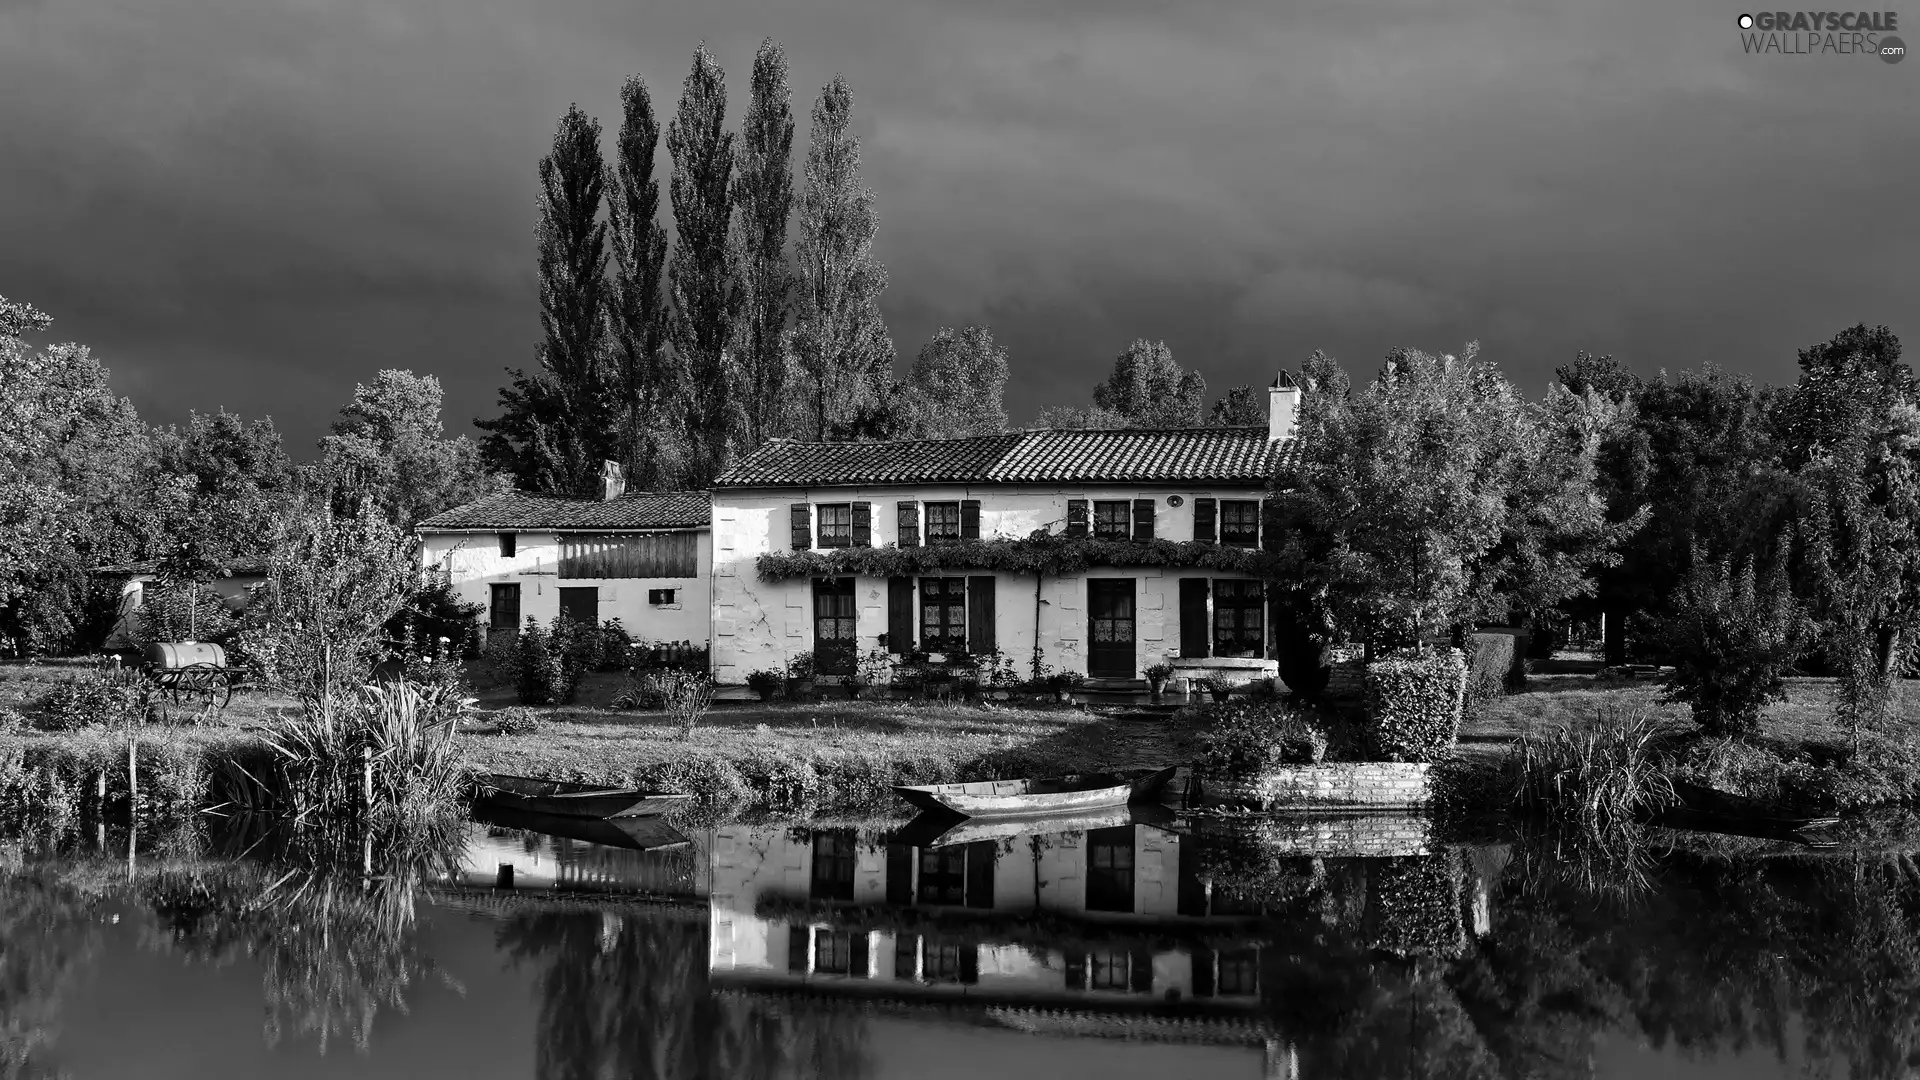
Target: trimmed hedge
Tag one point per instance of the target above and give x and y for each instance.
(1414, 705)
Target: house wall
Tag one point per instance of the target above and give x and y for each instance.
(475, 564)
(232, 592)
(757, 624)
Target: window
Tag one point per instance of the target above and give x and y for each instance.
(659, 596)
(1240, 522)
(1112, 520)
(504, 607)
(1239, 972)
(947, 961)
(832, 866)
(836, 525)
(1237, 623)
(943, 614)
(833, 952)
(508, 544)
(943, 875)
(1119, 969)
(580, 605)
(1110, 869)
(943, 523)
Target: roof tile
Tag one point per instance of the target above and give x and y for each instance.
(1132, 455)
(523, 510)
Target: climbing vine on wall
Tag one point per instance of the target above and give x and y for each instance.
(1041, 553)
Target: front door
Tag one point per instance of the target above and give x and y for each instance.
(1110, 628)
(580, 604)
(833, 632)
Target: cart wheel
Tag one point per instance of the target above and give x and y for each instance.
(224, 692)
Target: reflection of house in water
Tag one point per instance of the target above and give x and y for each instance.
(1105, 915)
(642, 856)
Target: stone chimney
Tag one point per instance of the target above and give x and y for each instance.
(1283, 407)
(613, 481)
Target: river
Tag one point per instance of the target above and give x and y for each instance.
(1115, 947)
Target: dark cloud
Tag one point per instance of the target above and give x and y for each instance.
(255, 205)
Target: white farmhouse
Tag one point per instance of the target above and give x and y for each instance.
(643, 558)
(1198, 486)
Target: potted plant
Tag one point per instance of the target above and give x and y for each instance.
(800, 676)
(765, 682)
(873, 669)
(1218, 686)
(1157, 677)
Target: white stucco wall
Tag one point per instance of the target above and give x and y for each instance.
(757, 624)
(476, 564)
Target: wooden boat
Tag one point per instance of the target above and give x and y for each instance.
(563, 798)
(648, 833)
(944, 828)
(1708, 808)
(1047, 795)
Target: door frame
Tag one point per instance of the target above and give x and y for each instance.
(1131, 589)
(814, 593)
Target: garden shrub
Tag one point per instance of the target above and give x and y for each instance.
(1245, 739)
(793, 785)
(1413, 905)
(1414, 705)
(1494, 665)
(96, 698)
(1735, 631)
(540, 673)
(515, 720)
(704, 776)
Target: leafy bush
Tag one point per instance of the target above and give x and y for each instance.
(616, 646)
(685, 695)
(403, 732)
(581, 649)
(99, 698)
(1735, 631)
(1244, 739)
(996, 670)
(515, 720)
(801, 667)
(1216, 682)
(765, 682)
(436, 611)
(1414, 705)
(1491, 665)
(540, 674)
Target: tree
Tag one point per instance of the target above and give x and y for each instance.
(215, 488)
(705, 299)
(1149, 390)
(1079, 418)
(71, 449)
(763, 203)
(391, 436)
(647, 381)
(959, 384)
(1735, 630)
(1435, 497)
(840, 340)
(1244, 406)
(554, 429)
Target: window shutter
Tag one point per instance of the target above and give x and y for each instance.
(1203, 518)
(970, 519)
(1076, 517)
(857, 965)
(1270, 532)
(799, 944)
(980, 859)
(900, 615)
(1195, 634)
(899, 872)
(1076, 971)
(802, 527)
(980, 620)
(1140, 971)
(1143, 519)
(909, 518)
(862, 524)
(1203, 958)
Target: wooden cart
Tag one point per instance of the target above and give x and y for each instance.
(192, 671)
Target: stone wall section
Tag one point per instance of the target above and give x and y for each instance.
(1360, 785)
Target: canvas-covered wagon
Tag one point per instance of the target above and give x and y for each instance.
(192, 671)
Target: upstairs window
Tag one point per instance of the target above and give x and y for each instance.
(508, 544)
(943, 523)
(1240, 522)
(1112, 520)
(836, 525)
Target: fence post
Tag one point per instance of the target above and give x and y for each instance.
(133, 774)
(366, 777)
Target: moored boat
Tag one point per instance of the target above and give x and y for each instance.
(1710, 809)
(633, 833)
(1042, 796)
(565, 798)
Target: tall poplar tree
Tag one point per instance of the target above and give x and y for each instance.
(840, 341)
(705, 301)
(763, 202)
(645, 376)
(554, 428)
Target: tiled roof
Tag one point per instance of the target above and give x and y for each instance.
(1129, 455)
(521, 511)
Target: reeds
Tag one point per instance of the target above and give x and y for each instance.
(385, 752)
(1602, 773)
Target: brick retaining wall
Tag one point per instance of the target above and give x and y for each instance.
(1355, 785)
(1348, 836)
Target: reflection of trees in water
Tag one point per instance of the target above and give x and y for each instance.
(46, 935)
(626, 995)
(330, 919)
(1706, 956)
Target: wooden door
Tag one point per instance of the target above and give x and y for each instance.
(1110, 628)
(833, 626)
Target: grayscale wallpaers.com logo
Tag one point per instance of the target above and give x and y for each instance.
(1806, 33)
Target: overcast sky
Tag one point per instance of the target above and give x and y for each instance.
(255, 204)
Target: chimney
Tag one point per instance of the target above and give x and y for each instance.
(1283, 407)
(613, 481)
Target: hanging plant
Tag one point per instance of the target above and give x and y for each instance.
(1049, 555)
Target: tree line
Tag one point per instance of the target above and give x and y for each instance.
(673, 358)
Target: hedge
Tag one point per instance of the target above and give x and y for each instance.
(1414, 705)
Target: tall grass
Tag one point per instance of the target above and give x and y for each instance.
(1601, 773)
(384, 752)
